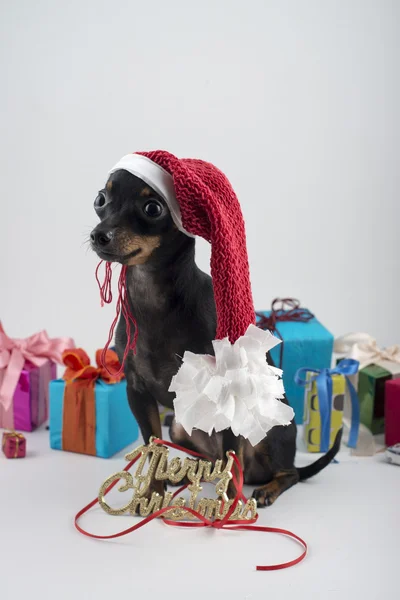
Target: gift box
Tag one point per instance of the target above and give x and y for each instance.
(371, 391)
(89, 409)
(312, 414)
(26, 368)
(29, 408)
(324, 395)
(377, 366)
(392, 412)
(305, 342)
(14, 444)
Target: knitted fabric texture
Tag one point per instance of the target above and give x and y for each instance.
(210, 209)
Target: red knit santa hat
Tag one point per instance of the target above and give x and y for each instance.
(203, 203)
(236, 388)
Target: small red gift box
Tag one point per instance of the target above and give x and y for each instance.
(14, 444)
(392, 412)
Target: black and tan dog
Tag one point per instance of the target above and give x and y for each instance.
(173, 304)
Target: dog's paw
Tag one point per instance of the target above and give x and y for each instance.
(262, 497)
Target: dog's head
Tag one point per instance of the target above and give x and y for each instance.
(135, 221)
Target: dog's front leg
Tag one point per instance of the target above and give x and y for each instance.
(230, 441)
(145, 409)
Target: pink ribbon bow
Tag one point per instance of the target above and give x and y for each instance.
(37, 348)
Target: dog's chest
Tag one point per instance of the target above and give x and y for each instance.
(147, 294)
(157, 363)
(169, 323)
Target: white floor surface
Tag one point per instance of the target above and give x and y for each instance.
(349, 515)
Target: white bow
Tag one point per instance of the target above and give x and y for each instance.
(236, 388)
(363, 347)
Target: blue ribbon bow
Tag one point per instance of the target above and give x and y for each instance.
(323, 377)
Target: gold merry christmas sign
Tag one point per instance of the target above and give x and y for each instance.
(160, 468)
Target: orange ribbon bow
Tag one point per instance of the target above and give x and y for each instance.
(79, 411)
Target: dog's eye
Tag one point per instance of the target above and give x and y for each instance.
(100, 200)
(153, 209)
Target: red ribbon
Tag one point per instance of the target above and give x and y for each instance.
(123, 307)
(280, 314)
(241, 524)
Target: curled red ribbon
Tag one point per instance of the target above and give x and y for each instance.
(123, 308)
(241, 524)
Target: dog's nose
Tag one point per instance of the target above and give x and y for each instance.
(101, 238)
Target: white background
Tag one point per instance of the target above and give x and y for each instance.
(297, 101)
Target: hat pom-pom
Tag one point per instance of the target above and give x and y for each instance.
(234, 389)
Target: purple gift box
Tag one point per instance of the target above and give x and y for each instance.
(30, 405)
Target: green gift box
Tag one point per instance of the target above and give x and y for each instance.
(371, 392)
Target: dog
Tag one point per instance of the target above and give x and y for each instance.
(172, 301)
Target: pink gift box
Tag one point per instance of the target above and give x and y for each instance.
(27, 365)
(14, 445)
(30, 405)
(392, 412)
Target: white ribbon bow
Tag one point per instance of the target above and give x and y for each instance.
(236, 388)
(363, 347)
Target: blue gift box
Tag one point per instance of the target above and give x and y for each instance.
(306, 344)
(116, 427)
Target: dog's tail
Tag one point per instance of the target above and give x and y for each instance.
(321, 463)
